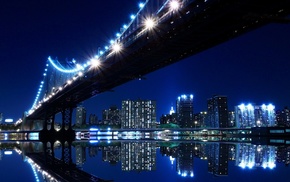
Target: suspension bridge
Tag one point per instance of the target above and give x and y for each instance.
(161, 33)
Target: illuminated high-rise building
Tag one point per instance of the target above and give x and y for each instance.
(138, 114)
(93, 119)
(184, 110)
(112, 116)
(217, 110)
(232, 119)
(169, 118)
(255, 115)
(80, 116)
(200, 119)
(283, 117)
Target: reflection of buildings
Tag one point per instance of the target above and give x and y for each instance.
(93, 151)
(111, 154)
(217, 110)
(255, 156)
(80, 116)
(283, 155)
(255, 116)
(184, 109)
(138, 114)
(138, 156)
(218, 159)
(80, 155)
(184, 160)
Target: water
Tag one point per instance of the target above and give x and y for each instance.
(139, 160)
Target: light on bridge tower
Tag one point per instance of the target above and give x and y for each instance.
(149, 23)
(174, 5)
(117, 47)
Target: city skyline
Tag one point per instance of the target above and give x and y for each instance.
(250, 68)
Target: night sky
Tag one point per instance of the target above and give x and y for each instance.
(251, 68)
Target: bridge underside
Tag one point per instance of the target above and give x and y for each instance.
(193, 29)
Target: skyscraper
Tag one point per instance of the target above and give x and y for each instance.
(80, 116)
(138, 114)
(283, 117)
(112, 116)
(184, 109)
(255, 115)
(217, 109)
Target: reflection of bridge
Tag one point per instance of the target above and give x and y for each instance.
(42, 158)
(60, 171)
(174, 30)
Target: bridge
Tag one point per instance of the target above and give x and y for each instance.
(159, 34)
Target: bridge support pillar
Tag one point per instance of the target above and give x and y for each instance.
(66, 119)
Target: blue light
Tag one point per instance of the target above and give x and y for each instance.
(94, 141)
(61, 69)
(132, 17)
(125, 26)
(141, 5)
(94, 129)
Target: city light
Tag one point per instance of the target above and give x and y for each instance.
(149, 23)
(95, 62)
(116, 48)
(141, 5)
(174, 5)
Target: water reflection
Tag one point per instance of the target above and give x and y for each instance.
(142, 155)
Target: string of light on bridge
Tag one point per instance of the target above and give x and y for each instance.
(115, 46)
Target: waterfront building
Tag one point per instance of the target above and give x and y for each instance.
(138, 114)
(112, 116)
(200, 119)
(184, 109)
(255, 115)
(80, 116)
(169, 118)
(283, 117)
(93, 119)
(136, 156)
(232, 119)
(217, 110)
